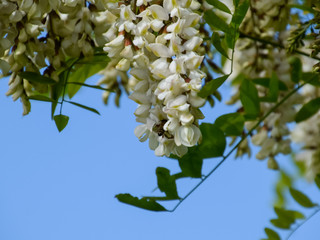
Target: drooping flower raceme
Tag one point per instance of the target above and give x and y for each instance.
(160, 44)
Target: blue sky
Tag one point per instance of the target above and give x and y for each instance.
(61, 186)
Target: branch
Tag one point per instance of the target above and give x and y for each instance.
(265, 41)
(236, 146)
(306, 220)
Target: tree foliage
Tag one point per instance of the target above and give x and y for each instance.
(171, 58)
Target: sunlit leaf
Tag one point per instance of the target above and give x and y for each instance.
(144, 203)
(308, 110)
(216, 42)
(301, 198)
(219, 5)
(231, 124)
(272, 235)
(36, 78)
(249, 99)
(61, 121)
(240, 12)
(41, 98)
(213, 141)
(85, 69)
(216, 22)
(212, 86)
(84, 107)
(166, 182)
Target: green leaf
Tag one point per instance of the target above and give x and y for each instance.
(219, 5)
(272, 235)
(216, 41)
(273, 93)
(265, 82)
(167, 183)
(84, 107)
(212, 86)
(92, 86)
(301, 198)
(231, 124)
(280, 224)
(296, 69)
(237, 18)
(311, 78)
(84, 69)
(288, 216)
(56, 91)
(61, 121)
(317, 180)
(240, 12)
(213, 141)
(216, 22)
(41, 98)
(144, 203)
(249, 99)
(308, 110)
(36, 78)
(191, 163)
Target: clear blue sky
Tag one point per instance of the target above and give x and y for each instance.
(61, 186)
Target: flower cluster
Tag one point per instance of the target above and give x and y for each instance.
(158, 43)
(40, 36)
(256, 60)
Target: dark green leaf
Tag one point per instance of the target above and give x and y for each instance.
(213, 141)
(219, 5)
(85, 69)
(41, 98)
(308, 110)
(280, 224)
(92, 86)
(144, 203)
(56, 91)
(216, 41)
(167, 183)
(231, 124)
(265, 82)
(301, 198)
(61, 121)
(191, 163)
(84, 107)
(212, 86)
(36, 78)
(249, 99)
(272, 235)
(317, 180)
(216, 22)
(273, 93)
(311, 78)
(288, 216)
(296, 69)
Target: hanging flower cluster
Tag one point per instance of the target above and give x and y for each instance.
(159, 43)
(256, 60)
(41, 35)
